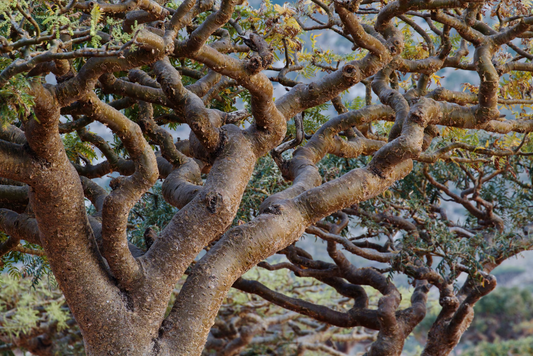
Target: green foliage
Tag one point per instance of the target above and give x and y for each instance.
(357, 103)
(21, 302)
(415, 194)
(226, 99)
(118, 147)
(15, 101)
(505, 314)
(278, 21)
(382, 128)
(22, 265)
(75, 148)
(151, 211)
(315, 117)
(510, 348)
(411, 198)
(266, 180)
(413, 47)
(54, 21)
(119, 36)
(96, 16)
(5, 7)
(332, 166)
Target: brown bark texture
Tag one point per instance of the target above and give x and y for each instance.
(143, 68)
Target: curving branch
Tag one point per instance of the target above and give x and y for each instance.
(126, 192)
(203, 122)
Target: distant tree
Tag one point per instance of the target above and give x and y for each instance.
(395, 169)
(510, 347)
(505, 314)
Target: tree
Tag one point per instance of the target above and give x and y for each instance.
(143, 67)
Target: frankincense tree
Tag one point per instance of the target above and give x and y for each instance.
(145, 67)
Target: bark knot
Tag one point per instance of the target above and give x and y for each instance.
(115, 183)
(313, 89)
(254, 65)
(149, 237)
(274, 209)
(351, 71)
(165, 326)
(395, 47)
(377, 172)
(213, 201)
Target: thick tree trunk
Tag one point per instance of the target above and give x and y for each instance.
(119, 295)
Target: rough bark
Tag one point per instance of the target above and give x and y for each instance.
(119, 293)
